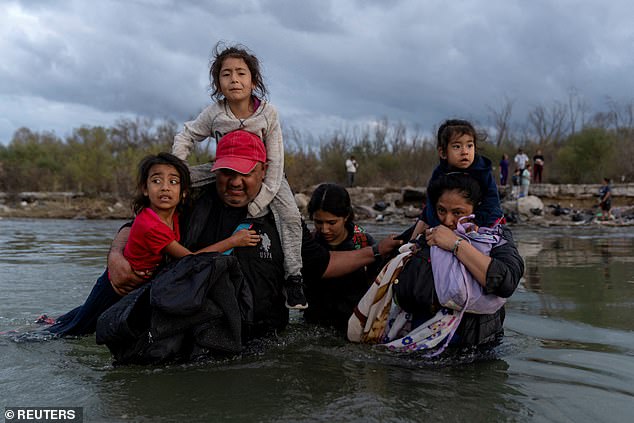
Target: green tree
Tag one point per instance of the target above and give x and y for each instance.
(33, 162)
(91, 162)
(332, 157)
(586, 157)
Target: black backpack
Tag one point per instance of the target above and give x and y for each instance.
(195, 306)
(415, 292)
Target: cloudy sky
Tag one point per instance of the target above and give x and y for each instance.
(328, 64)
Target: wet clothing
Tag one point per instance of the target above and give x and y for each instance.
(332, 300)
(488, 212)
(210, 220)
(82, 320)
(196, 306)
(416, 292)
(455, 286)
(148, 238)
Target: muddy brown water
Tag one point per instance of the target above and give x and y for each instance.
(568, 353)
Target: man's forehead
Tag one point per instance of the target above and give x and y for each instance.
(231, 172)
(258, 166)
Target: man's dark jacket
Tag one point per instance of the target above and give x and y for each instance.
(195, 306)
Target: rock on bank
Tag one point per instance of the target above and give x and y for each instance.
(552, 204)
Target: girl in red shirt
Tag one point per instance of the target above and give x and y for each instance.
(162, 187)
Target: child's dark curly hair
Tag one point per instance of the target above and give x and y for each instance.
(141, 200)
(238, 51)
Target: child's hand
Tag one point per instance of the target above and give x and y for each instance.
(245, 238)
(145, 274)
(474, 228)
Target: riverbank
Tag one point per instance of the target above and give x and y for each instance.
(547, 204)
(63, 205)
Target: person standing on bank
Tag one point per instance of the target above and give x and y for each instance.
(605, 199)
(538, 166)
(504, 169)
(515, 182)
(525, 180)
(351, 170)
(520, 159)
(239, 90)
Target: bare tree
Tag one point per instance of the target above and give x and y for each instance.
(622, 115)
(295, 140)
(549, 125)
(577, 109)
(398, 138)
(603, 120)
(501, 120)
(419, 140)
(381, 131)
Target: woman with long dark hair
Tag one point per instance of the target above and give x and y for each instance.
(332, 300)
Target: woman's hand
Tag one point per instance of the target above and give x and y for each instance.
(245, 238)
(441, 236)
(474, 260)
(389, 244)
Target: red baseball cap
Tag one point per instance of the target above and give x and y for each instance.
(239, 151)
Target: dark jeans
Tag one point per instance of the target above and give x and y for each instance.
(537, 173)
(83, 319)
(351, 178)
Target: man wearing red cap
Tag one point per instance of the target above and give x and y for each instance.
(240, 167)
(221, 206)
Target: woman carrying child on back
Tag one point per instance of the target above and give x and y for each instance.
(162, 187)
(239, 90)
(457, 141)
(451, 291)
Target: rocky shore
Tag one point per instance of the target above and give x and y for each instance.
(546, 205)
(63, 205)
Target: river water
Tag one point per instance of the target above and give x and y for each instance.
(568, 354)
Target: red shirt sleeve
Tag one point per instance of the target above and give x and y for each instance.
(148, 237)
